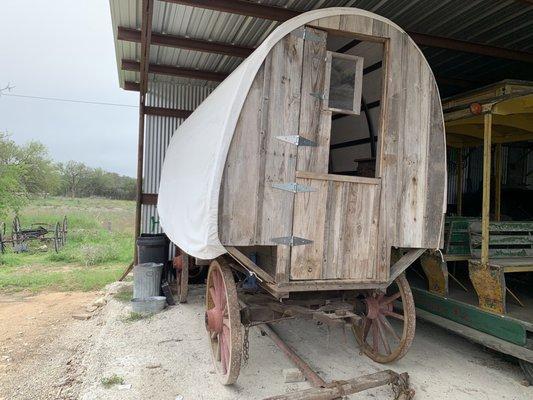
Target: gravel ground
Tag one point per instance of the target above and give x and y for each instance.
(166, 357)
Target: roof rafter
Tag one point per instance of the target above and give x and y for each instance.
(170, 70)
(134, 35)
(256, 10)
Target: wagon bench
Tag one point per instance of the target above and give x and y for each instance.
(252, 180)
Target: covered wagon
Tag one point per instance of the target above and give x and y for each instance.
(313, 176)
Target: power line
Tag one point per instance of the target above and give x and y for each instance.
(70, 100)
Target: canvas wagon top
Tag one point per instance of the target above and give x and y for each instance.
(271, 141)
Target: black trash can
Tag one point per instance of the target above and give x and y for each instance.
(153, 248)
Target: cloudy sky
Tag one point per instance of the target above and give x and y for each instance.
(64, 49)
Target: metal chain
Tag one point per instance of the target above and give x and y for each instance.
(401, 389)
(246, 346)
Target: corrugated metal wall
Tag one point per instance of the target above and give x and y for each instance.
(158, 131)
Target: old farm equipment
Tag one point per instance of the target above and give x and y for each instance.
(296, 224)
(40, 232)
(495, 249)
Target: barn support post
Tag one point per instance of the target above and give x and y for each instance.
(485, 213)
(459, 191)
(497, 181)
(139, 184)
(146, 36)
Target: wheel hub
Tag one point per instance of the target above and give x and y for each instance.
(375, 306)
(214, 319)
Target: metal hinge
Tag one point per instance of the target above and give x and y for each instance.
(293, 187)
(291, 240)
(297, 140)
(306, 34)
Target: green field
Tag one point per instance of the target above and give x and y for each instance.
(99, 246)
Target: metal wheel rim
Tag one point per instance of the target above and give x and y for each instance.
(56, 238)
(226, 345)
(64, 231)
(373, 331)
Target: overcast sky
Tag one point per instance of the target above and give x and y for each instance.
(64, 49)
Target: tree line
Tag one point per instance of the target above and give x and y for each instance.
(27, 170)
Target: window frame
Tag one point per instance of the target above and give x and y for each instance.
(358, 84)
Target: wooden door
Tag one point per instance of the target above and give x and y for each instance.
(340, 219)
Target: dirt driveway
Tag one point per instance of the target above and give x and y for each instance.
(41, 345)
(166, 357)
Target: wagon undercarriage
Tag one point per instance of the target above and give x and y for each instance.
(381, 321)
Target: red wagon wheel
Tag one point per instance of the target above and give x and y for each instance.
(223, 322)
(386, 331)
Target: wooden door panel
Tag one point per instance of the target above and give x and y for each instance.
(340, 217)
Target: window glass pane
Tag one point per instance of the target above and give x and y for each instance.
(342, 83)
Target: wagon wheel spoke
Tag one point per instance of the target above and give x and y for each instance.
(375, 342)
(383, 337)
(392, 298)
(222, 354)
(366, 329)
(388, 341)
(387, 325)
(214, 296)
(394, 315)
(223, 321)
(217, 346)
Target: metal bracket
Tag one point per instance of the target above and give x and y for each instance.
(297, 140)
(306, 34)
(291, 240)
(293, 187)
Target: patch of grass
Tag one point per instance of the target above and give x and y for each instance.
(99, 246)
(112, 380)
(134, 316)
(124, 295)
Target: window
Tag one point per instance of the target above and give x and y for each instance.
(344, 74)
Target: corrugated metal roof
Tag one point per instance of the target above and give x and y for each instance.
(496, 22)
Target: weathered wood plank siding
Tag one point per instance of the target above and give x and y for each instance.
(340, 217)
(353, 225)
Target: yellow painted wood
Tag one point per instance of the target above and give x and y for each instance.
(485, 213)
(459, 192)
(497, 182)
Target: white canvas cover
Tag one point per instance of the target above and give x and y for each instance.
(192, 171)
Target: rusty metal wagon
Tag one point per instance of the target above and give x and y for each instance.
(39, 231)
(309, 202)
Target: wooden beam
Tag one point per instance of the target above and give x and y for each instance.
(282, 14)
(145, 37)
(422, 39)
(246, 8)
(350, 143)
(461, 83)
(131, 65)
(132, 86)
(167, 112)
(459, 190)
(485, 212)
(497, 181)
(149, 198)
(134, 35)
